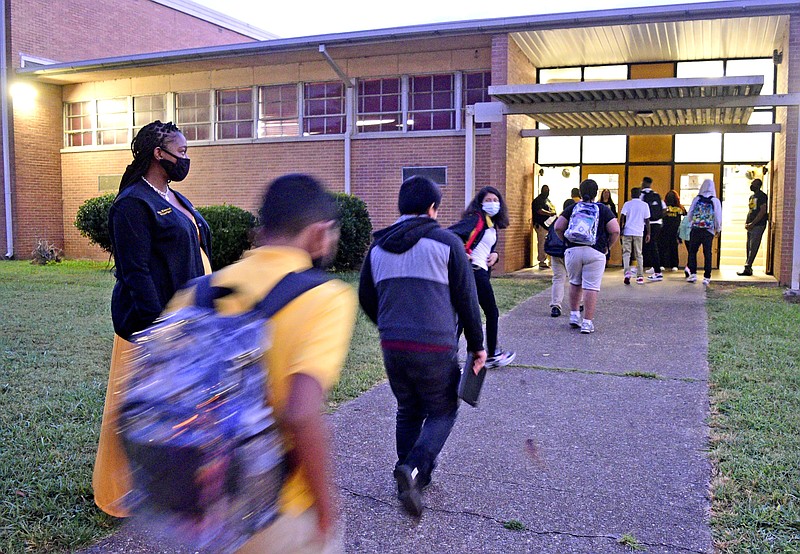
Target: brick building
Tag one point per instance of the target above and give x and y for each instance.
(44, 32)
(679, 93)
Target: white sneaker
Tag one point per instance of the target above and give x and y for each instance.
(587, 327)
(574, 320)
(655, 277)
(674, 269)
(692, 278)
(650, 271)
(500, 359)
(706, 280)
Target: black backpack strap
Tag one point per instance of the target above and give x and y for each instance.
(289, 288)
(204, 293)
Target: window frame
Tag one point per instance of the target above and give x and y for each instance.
(453, 110)
(297, 118)
(195, 124)
(324, 100)
(358, 113)
(218, 121)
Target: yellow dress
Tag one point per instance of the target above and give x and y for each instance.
(111, 479)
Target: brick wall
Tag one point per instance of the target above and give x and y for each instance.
(377, 172)
(512, 157)
(37, 210)
(234, 174)
(785, 170)
(238, 174)
(68, 30)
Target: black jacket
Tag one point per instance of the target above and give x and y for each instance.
(467, 225)
(156, 251)
(415, 281)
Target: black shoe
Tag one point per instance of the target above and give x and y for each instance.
(408, 490)
(555, 311)
(581, 308)
(747, 272)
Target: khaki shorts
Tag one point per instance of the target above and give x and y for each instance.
(585, 267)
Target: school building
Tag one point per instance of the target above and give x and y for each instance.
(679, 93)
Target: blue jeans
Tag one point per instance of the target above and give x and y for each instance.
(425, 385)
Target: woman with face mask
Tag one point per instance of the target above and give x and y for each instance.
(478, 229)
(159, 242)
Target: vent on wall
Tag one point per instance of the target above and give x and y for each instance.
(436, 174)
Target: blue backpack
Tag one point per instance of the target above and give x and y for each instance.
(583, 224)
(208, 461)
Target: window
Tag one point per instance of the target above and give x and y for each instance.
(604, 149)
(763, 67)
(432, 102)
(561, 75)
(112, 121)
(706, 70)
(476, 89)
(193, 114)
(606, 73)
(702, 147)
(79, 124)
(379, 105)
(235, 113)
(323, 108)
(147, 109)
(277, 111)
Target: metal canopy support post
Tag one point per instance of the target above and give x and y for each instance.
(796, 243)
(469, 156)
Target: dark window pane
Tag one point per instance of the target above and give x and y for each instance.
(334, 106)
(421, 102)
(442, 120)
(442, 82)
(442, 100)
(371, 87)
(245, 130)
(391, 103)
(372, 104)
(391, 86)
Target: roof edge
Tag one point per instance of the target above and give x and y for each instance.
(621, 16)
(217, 18)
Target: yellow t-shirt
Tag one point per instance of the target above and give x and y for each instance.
(311, 335)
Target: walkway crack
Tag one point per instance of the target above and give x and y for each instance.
(629, 374)
(527, 530)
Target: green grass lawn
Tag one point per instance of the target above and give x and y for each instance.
(754, 357)
(55, 346)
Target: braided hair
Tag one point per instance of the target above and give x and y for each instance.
(149, 137)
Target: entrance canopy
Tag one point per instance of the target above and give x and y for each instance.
(641, 106)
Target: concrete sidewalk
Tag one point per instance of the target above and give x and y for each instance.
(562, 441)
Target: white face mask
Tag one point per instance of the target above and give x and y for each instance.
(491, 208)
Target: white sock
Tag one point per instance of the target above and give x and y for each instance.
(587, 321)
(576, 313)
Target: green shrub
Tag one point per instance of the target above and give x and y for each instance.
(231, 232)
(356, 232)
(92, 220)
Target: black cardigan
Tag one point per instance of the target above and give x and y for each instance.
(156, 251)
(468, 224)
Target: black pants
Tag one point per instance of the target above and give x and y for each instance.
(489, 306)
(425, 385)
(753, 243)
(697, 238)
(650, 249)
(668, 247)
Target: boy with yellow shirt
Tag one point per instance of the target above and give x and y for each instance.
(309, 343)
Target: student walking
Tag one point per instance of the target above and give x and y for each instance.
(705, 214)
(668, 240)
(416, 283)
(635, 224)
(310, 337)
(651, 254)
(485, 215)
(588, 230)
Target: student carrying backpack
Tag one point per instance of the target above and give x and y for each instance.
(225, 464)
(653, 201)
(582, 228)
(705, 213)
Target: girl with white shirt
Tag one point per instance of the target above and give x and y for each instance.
(478, 229)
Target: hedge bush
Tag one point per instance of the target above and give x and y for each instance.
(356, 232)
(92, 220)
(231, 232)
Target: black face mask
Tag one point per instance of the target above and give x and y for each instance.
(177, 170)
(754, 188)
